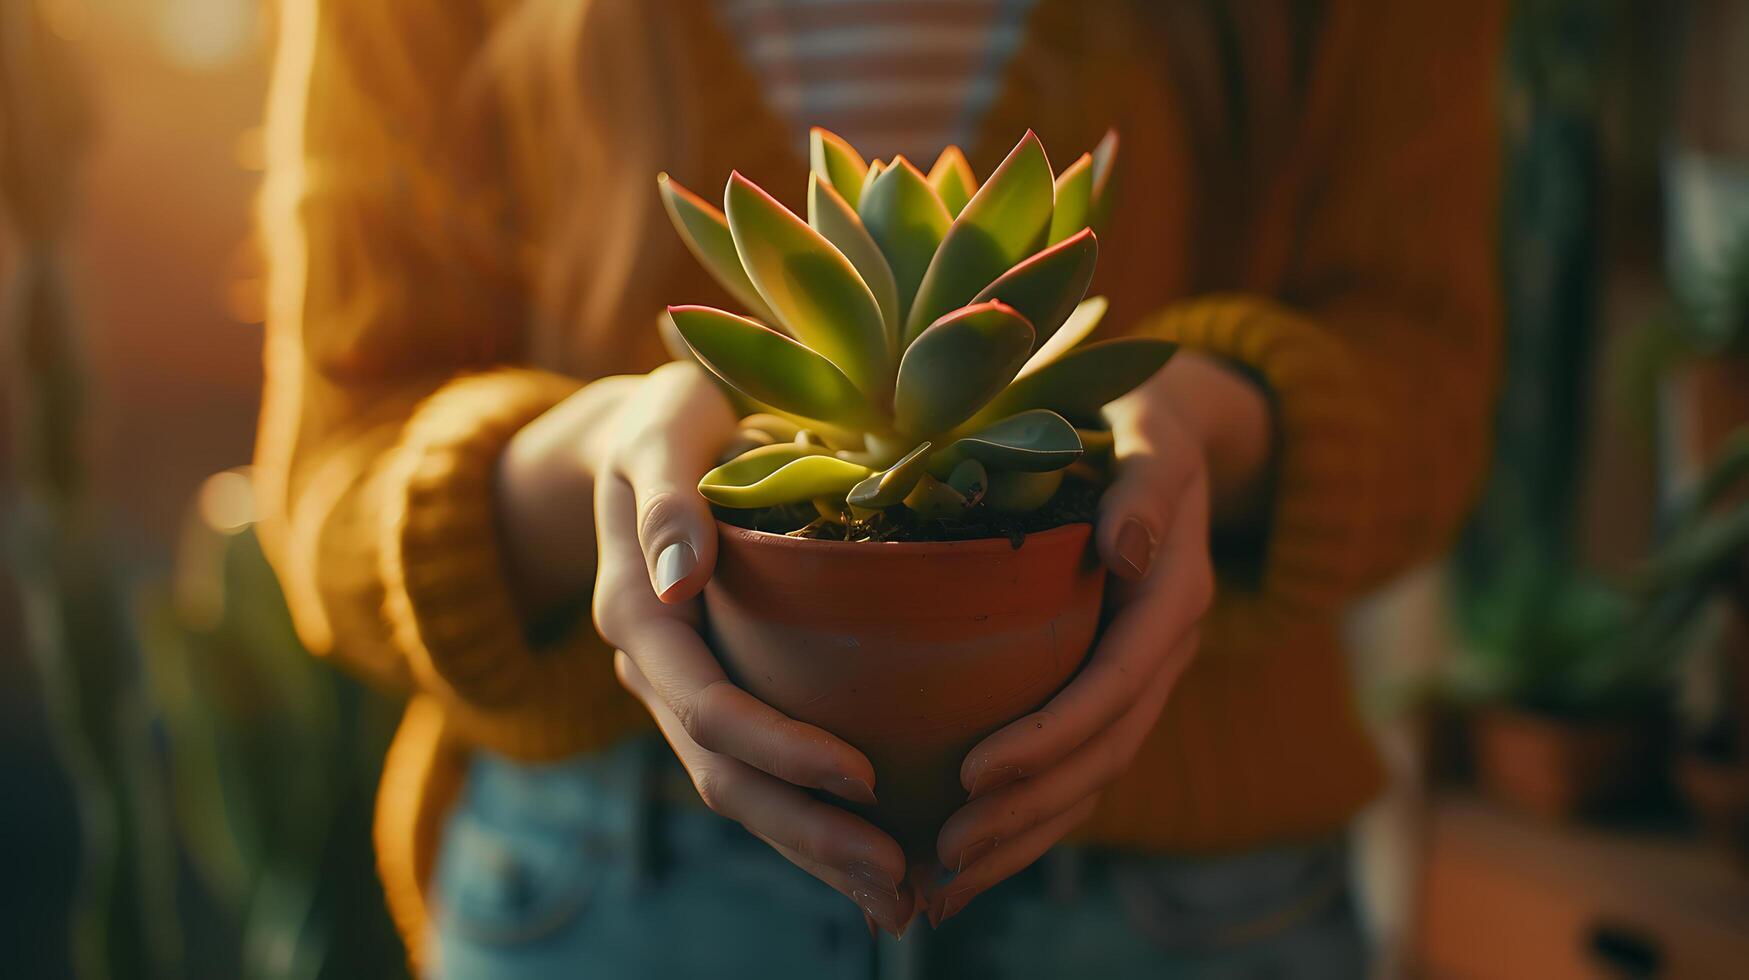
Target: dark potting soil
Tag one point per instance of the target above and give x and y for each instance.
(1075, 503)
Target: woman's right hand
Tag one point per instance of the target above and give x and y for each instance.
(656, 538)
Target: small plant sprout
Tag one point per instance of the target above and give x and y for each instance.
(919, 341)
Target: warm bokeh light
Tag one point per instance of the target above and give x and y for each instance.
(204, 35)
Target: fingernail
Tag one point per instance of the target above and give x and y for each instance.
(993, 779)
(974, 852)
(878, 880)
(851, 788)
(945, 906)
(674, 563)
(874, 907)
(951, 906)
(1135, 547)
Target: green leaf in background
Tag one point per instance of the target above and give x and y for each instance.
(953, 179)
(1046, 287)
(1003, 223)
(833, 218)
(1104, 164)
(774, 475)
(907, 220)
(1033, 441)
(768, 367)
(1078, 384)
(957, 365)
(888, 487)
(815, 291)
(1074, 208)
(1080, 325)
(830, 156)
(706, 234)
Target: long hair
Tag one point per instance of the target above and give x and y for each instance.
(593, 83)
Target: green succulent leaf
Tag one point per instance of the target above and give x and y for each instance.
(1018, 493)
(783, 474)
(875, 169)
(931, 499)
(832, 217)
(1081, 382)
(1104, 164)
(780, 429)
(889, 487)
(833, 158)
(770, 368)
(957, 365)
(678, 349)
(1033, 441)
(1080, 325)
(1004, 222)
(1046, 287)
(953, 179)
(706, 234)
(1074, 208)
(907, 221)
(970, 480)
(815, 291)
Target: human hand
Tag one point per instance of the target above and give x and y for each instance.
(1194, 426)
(749, 762)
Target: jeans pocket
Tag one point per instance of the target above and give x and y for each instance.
(1218, 903)
(502, 887)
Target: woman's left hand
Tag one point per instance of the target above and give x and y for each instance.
(1194, 429)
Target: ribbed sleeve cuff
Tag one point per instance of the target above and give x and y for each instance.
(1327, 441)
(447, 598)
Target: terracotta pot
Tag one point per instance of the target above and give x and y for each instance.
(911, 652)
(1718, 793)
(1558, 768)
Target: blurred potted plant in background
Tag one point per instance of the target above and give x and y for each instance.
(1696, 610)
(1563, 717)
(1693, 363)
(1572, 715)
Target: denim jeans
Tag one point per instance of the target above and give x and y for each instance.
(599, 868)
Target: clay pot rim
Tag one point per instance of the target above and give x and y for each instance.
(768, 539)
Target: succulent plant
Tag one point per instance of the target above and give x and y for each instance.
(918, 340)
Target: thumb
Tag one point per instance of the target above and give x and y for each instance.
(678, 535)
(1134, 515)
(676, 530)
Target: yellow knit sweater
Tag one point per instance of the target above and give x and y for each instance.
(463, 229)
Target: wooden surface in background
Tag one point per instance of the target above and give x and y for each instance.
(1503, 896)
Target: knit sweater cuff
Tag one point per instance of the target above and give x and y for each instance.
(1326, 441)
(447, 598)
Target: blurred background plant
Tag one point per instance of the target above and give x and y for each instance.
(271, 757)
(222, 779)
(1531, 615)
